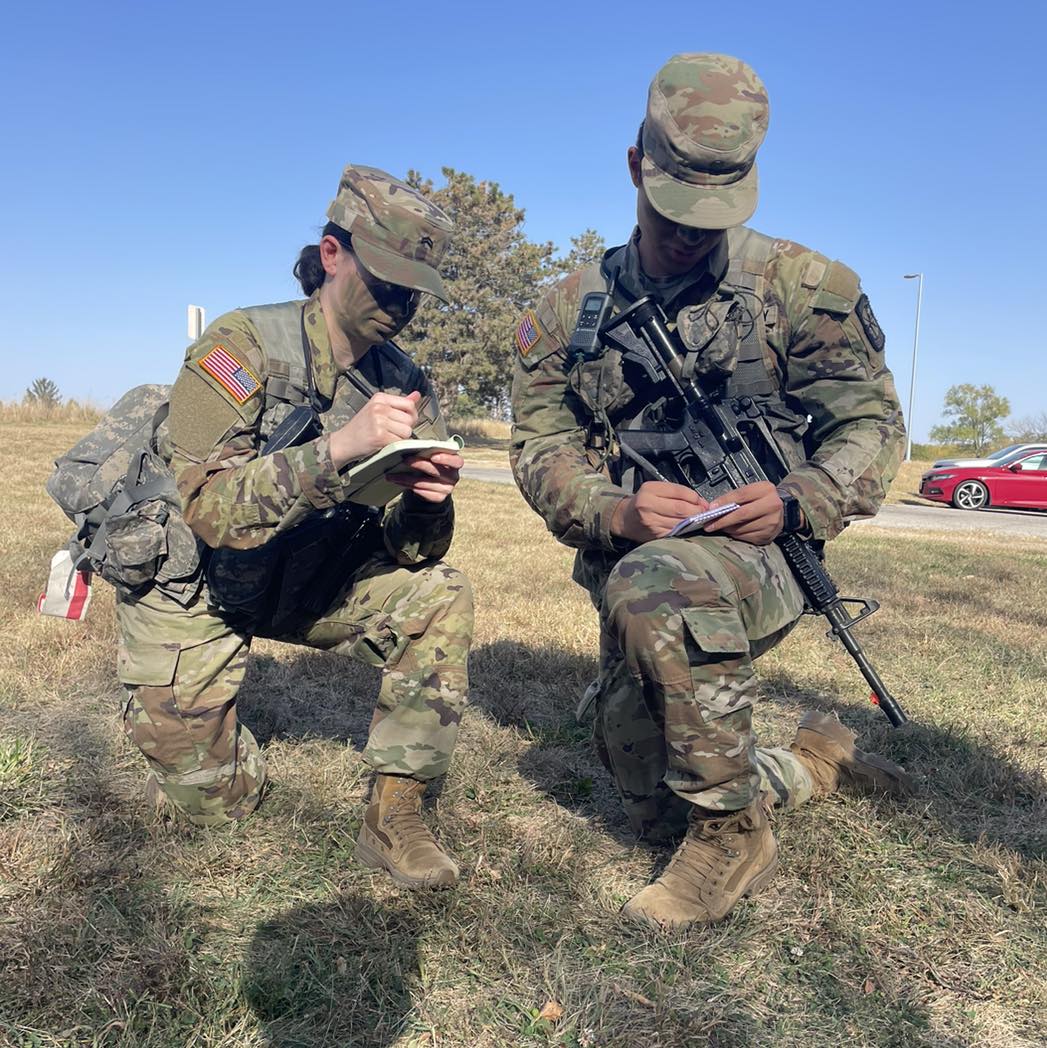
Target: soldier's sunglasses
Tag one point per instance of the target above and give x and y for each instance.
(396, 297)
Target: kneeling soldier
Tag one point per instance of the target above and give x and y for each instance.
(286, 555)
(683, 618)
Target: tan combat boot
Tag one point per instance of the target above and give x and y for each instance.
(394, 838)
(827, 748)
(722, 859)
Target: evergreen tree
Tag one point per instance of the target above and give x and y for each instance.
(44, 393)
(493, 273)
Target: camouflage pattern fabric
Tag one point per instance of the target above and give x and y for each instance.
(818, 352)
(683, 619)
(183, 667)
(398, 235)
(414, 623)
(402, 609)
(706, 117)
(234, 497)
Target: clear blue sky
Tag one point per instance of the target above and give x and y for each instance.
(160, 154)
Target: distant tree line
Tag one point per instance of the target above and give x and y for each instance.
(975, 421)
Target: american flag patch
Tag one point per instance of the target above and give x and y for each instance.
(528, 333)
(230, 374)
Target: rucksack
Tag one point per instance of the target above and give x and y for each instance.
(122, 497)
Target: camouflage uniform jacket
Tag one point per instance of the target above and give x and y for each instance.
(234, 497)
(821, 345)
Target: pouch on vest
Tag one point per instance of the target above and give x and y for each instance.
(711, 334)
(122, 497)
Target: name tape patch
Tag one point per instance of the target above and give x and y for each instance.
(229, 373)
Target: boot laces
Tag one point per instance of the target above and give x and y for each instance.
(405, 819)
(708, 849)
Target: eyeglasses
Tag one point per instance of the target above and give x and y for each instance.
(402, 299)
(689, 235)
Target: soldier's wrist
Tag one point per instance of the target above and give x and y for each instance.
(619, 518)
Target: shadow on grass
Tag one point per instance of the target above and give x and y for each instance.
(972, 788)
(967, 784)
(970, 785)
(106, 953)
(335, 972)
(313, 695)
(537, 690)
(98, 946)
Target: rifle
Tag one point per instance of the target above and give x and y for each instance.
(706, 435)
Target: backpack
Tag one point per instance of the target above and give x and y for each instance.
(122, 497)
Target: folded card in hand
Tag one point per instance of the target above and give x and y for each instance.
(699, 520)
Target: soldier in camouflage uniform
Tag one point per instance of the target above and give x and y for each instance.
(386, 597)
(682, 619)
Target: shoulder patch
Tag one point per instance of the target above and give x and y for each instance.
(842, 281)
(528, 332)
(839, 290)
(873, 331)
(813, 273)
(234, 377)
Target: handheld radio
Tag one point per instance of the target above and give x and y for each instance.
(585, 341)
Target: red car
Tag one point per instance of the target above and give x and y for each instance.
(1018, 481)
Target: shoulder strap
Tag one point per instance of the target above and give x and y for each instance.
(613, 271)
(281, 332)
(749, 253)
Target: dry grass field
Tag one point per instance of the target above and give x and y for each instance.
(920, 923)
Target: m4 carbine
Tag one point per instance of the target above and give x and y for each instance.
(708, 437)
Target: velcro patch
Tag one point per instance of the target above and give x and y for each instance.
(813, 273)
(528, 332)
(873, 331)
(236, 378)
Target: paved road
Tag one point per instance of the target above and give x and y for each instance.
(943, 518)
(902, 517)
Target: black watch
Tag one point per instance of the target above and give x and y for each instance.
(792, 515)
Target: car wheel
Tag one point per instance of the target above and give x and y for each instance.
(971, 494)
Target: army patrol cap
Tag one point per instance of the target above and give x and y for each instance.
(706, 117)
(398, 235)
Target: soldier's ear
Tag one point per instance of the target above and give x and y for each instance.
(634, 158)
(330, 250)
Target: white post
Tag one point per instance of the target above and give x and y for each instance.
(918, 277)
(195, 322)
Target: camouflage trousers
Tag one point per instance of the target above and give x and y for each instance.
(183, 667)
(682, 620)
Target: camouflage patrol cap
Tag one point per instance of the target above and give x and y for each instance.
(706, 117)
(398, 235)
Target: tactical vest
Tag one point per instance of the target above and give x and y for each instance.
(751, 373)
(117, 487)
(749, 253)
(276, 588)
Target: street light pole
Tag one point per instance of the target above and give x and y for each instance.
(918, 277)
